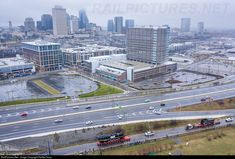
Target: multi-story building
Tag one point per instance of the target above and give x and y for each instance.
(39, 25)
(74, 24)
(29, 24)
(59, 17)
(45, 55)
(83, 19)
(46, 20)
(118, 25)
(148, 44)
(110, 26)
(200, 27)
(76, 56)
(185, 24)
(129, 23)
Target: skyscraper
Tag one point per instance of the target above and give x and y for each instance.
(118, 24)
(74, 24)
(29, 24)
(110, 26)
(39, 25)
(10, 26)
(129, 23)
(69, 24)
(149, 45)
(46, 20)
(200, 27)
(83, 19)
(59, 18)
(185, 24)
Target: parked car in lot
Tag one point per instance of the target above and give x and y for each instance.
(89, 122)
(149, 133)
(58, 121)
(229, 119)
(24, 114)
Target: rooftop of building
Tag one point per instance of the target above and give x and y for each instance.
(89, 48)
(111, 70)
(14, 61)
(138, 66)
(40, 43)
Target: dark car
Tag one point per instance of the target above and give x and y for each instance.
(89, 107)
(203, 99)
(24, 114)
(162, 104)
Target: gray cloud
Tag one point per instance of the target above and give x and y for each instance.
(215, 13)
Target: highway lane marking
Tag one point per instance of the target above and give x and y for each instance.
(106, 109)
(119, 123)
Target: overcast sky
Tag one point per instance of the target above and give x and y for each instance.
(215, 13)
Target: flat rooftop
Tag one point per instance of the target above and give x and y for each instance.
(15, 61)
(138, 66)
(40, 43)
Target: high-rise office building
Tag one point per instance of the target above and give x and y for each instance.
(10, 26)
(45, 55)
(59, 18)
(29, 24)
(200, 27)
(83, 19)
(185, 24)
(69, 24)
(129, 23)
(148, 44)
(110, 26)
(39, 25)
(46, 20)
(118, 24)
(74, 24)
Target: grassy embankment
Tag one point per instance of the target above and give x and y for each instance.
(46, 87)
(215, 105)
(102, 90)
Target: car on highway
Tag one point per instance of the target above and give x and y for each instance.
(162, 104)
(76, 107)
(149, 133)
(120, 117)
(88, 107)
(147, 100)
(229, 119)
(89, 122)
(58, 121)
(158, 112)
(151, 108)
(24, 114)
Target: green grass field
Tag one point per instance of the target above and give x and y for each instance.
(27, 101)
(210, 142)
(215, 105)
(46, 87)
(102, 90)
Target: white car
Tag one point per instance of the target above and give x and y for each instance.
(76, 107)
(229, 119)
(151, 108)
(149, 133)
(58, 120)
(158, 112)
(120, 117)
(89, 122)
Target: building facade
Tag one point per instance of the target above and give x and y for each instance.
(46, 20)
(118, 22)
(149, 45)
(129, 23)
(29, 24)
(59, 17)
(45, 55)
(110, 26)
(185, 24)
(74, 24)
(83, 19)
(200, 27)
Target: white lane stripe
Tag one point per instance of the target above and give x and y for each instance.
(98, 110)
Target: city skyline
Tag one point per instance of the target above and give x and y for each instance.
(215, 14)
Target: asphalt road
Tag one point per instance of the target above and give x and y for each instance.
(41, 118)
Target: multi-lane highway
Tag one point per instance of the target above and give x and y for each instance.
(41, 117)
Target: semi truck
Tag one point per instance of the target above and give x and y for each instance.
(109, 139)
(204, 123)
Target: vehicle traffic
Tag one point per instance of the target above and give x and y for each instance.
(149, 133)
(151, 108)
(24, 114)
(204, 123)
(88, 107)
(76, 107)
(162, 104)
(230, 119)
(120, 117)
(89, 122)
(147, 100)
(58, 121)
